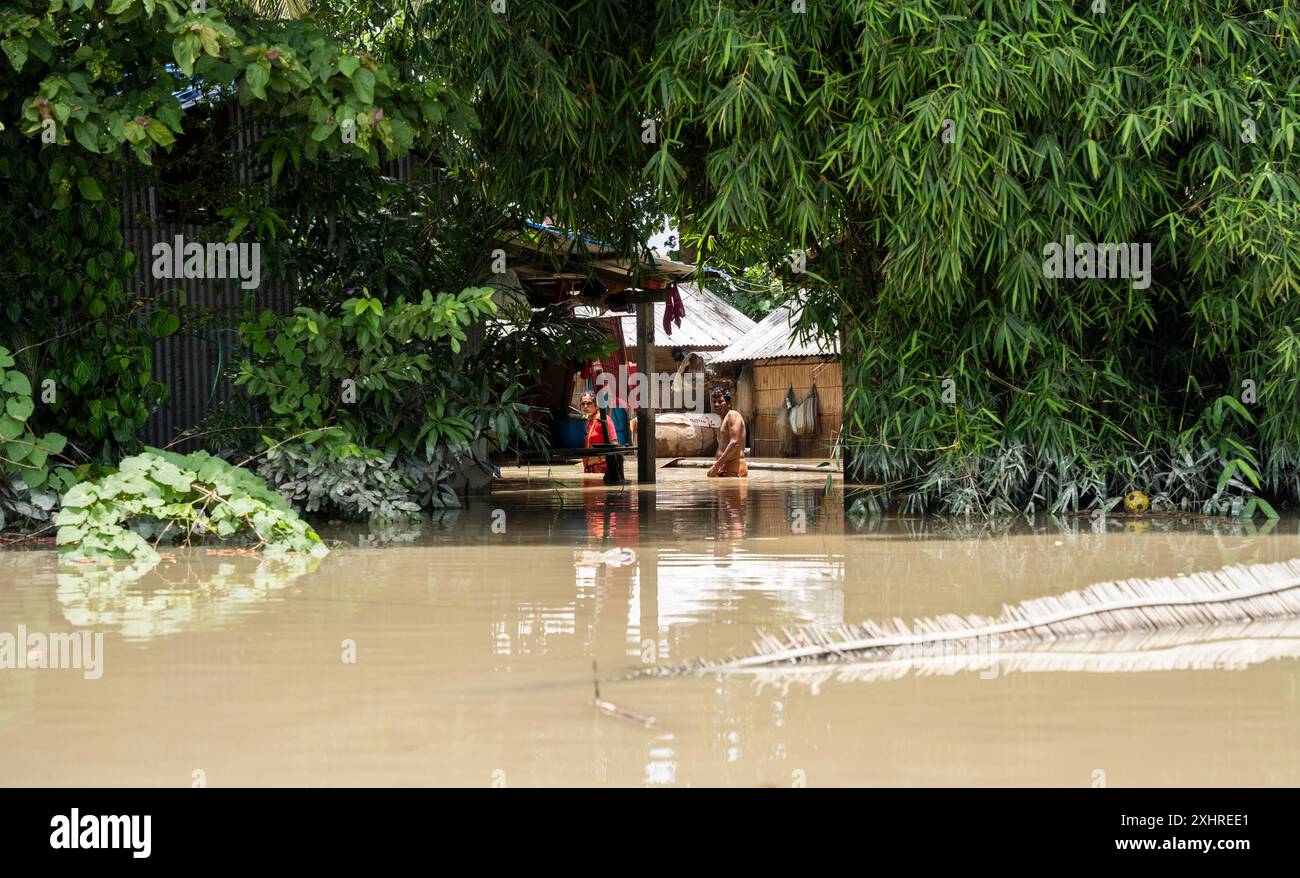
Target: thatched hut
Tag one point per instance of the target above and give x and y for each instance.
(773, 363)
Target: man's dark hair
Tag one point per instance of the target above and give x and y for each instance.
(724, 393)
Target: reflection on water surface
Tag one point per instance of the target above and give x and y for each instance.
(474, 636)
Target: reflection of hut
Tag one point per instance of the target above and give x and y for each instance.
(772, 360)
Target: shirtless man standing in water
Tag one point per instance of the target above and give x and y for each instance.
(731, 439)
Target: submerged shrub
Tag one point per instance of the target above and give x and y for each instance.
(360, 484)
(364, 374)
(1021, 480)
(161, 495)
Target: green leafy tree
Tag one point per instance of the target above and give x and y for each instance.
(370, 376)
(565, 129)
(92, 89)
(903, 165)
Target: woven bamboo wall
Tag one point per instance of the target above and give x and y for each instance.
(772, 378)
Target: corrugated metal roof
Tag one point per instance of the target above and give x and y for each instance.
(658, 266)
(775, 336)
(709, 322)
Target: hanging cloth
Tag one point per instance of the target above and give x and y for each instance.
(786, 444)
(803, 417)
(674, 309)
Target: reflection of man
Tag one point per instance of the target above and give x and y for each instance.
(731, 438)
(731, 514)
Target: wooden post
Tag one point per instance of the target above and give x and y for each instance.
(645, 413)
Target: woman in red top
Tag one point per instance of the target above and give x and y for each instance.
(600, 431)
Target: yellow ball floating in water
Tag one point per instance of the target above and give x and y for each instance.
(1136, 502)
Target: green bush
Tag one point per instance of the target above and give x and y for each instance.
(370, 410)
(369, 376)
(1193, 475)
(364, 485)
(161, 495)
(30, 477)
(88, 98)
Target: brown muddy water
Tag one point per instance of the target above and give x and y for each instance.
(474, 633)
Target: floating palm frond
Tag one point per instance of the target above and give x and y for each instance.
(1214, 647)
(1215, 615)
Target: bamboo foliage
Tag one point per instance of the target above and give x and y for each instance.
(922, 154)
(557, 90)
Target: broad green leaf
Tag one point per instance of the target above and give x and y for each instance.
(16, 51)
(86, 136)
(158, 133)
(19, 408)
(11, 427)
(81, 494)
(363, 83)
(69, 534)
(89, 189)
(257, 75)
(16, 382)
(184, 50)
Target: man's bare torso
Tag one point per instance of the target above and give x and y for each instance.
(733, 427)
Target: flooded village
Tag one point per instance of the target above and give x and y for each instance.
(648, 395)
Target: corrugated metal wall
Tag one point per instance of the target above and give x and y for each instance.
(191, 362)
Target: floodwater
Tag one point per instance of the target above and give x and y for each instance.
(460, 651)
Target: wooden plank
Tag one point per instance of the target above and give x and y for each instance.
(645, 415)
(560, 455)
(618, 300)
(754, 465)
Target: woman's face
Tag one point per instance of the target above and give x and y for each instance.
(588, 406)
